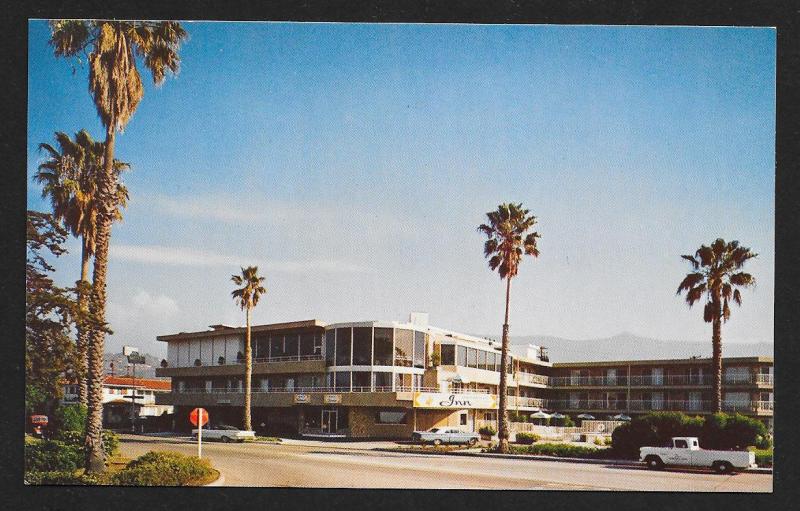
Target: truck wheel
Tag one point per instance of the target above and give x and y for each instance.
(225, 439)
(437, 442)
(722, 467)
(654, 462)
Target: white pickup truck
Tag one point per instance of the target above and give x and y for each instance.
(686, 451)
(225, 433)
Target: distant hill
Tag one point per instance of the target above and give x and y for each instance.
(626, 346)
(146, 370)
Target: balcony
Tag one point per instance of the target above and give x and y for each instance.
(531, 378)
(265, 365)
(686, 406)
(669, 380)
(525, 402)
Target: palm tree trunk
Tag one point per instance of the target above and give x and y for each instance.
(248, 375)
(716, 342)
(502, 412)
(83, 332)
(95, 458)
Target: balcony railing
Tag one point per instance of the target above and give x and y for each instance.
(259, 360)
(529, 402)
(658, 405)
(651, 380)
(304, 390)
(536, 379)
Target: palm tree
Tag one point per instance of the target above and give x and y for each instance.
(247, 298)
(112, 48)
(507, 240)
(69, 176)
(717, 275)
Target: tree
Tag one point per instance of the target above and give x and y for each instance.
(113, 49)
(507, 240)
(49, 314)
(69, 178)
(716, 277)
(247, 298)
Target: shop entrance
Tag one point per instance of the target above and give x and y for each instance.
(330, 420)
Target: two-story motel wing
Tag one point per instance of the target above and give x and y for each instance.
(377, 379)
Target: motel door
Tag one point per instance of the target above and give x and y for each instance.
(330, 421)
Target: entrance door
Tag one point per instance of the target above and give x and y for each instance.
(330, 421)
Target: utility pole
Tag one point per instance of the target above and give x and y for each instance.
(133, 358)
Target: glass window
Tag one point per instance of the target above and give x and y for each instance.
(419, 349)
(382, 380)
(391, 417)
(481, 359)
(461, 352)
(362, 346)
(290, 343)
(276, 346)
(306, 344)
(261, 347)
(472, 357)
(342, 380)
(448, 354)
(403, 347)
(330, 346)
(383, 347)
(318, 343)
(343, 346)
(463, 420)
(491, 361)
(361, 379)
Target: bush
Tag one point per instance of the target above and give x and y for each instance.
(723, 431)
(69, 418)
(77, 438)
(568, 422)
(527, 438)
(599, 441)
(763, 457)
(628, 438)
(67, 477)
(487, 431)
(560, 450)
(515, 416)
(52, 456)
(163, 469)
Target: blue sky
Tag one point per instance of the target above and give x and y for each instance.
(353, 162)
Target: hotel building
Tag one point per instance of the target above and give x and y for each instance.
(377, 379)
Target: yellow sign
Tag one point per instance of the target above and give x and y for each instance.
(332, 398)
(454, 401)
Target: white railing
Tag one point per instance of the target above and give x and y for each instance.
(301, 390)
(529, 402)
(651, 380)
(536, 379)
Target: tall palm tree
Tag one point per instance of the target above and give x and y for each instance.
(247, 298)
(113, 49)
(717, 276)
(507, 240)
(69, 176)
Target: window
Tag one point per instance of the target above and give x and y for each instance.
(330, 347)
(472, 357)
(343, 337)
(361, 379)
(276, 346)
(391, 417)
(403, 347)
(307, 344)
(382, 355)
(382, 380)
(681, 444)
(463, 417)
(489, 416)
(491, 361)
(419, 349)
(461, 353)
(362, 346)
(738, 374)
(261, 346)
(343, 380)
(482, 359)
(317, 344)
(448, 352)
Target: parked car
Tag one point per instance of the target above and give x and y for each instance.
(686, 452)
(224, 433)
(438, 436)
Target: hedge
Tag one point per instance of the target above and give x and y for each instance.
(76, 438)
(487, 431)
(526, 438)
(163, 469)
(560, 450)
(52, 456)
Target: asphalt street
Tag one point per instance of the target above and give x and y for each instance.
(356, 465)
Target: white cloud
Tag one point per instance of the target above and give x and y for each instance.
(150, 305)
(181, 256)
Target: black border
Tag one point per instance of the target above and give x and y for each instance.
(781, 14)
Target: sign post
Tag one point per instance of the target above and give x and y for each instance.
(199, 417)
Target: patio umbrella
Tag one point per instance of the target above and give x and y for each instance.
(558, 415)
(621, 417)
(586, 416)
(540, 415)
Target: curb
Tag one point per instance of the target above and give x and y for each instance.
(220, 481)
(625, 463)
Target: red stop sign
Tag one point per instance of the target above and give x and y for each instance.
(202, 413)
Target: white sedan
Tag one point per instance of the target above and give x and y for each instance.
(225, 433)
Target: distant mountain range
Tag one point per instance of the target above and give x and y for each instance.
(146, 370)
(627, 346)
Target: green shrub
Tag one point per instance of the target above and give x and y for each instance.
(763, 457)
(560, 450)
(110, 442)
(77, 438)
(65, 477)
(628, 438)
(599, 441)
(163, 469)
(723, 431)
(527, 438)
(52, 456)
(568, 422)
(69, 418)
(515, 416)
(763, 442)
(487, 431)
